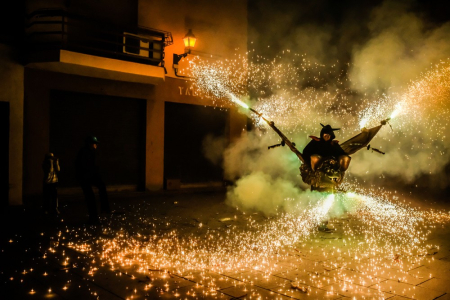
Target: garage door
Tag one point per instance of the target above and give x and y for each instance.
(119, 125)
(186, 127)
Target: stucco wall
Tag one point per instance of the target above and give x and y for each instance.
(11, 90)
(221, 31)
(220, 27)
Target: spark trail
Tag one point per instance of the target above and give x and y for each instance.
(419, 115)
(374, 228)
(383, 230)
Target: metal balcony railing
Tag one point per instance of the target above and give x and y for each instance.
(49, 29)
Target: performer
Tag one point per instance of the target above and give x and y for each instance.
(323, 147)
(88, 175)
(50, 166)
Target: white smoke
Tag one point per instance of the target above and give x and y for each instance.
(402, 46)
(213, 148)
(395, 67)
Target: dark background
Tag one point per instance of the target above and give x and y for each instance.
(4, 152)
(272, 22)
(119, 125)
(185, 128)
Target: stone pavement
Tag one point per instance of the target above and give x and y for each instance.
(67, 259)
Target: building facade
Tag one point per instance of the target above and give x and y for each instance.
(105, 68)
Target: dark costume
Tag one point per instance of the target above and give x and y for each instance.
(88, 175)
(50, 166)
(325, 162)
(318, 146)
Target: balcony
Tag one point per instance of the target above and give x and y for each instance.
(62, 42)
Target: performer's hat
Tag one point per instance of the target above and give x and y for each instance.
(328, 129)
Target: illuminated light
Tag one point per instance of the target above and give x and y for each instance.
(363, 123)
(350, 194)
(397, 110)
(32, 292)
(189, 39)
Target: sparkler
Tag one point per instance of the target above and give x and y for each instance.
(380, 231)
(374, 229)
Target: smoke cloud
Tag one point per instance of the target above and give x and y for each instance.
(213, 148)
(402, 46)
(349, 72)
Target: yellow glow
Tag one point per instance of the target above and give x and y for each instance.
(396, 111)
(363, 123)
(189, 39)
(328, 203)
(237, 101)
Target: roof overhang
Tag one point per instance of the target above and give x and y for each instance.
(101, 67)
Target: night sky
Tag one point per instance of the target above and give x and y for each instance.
(274, 23)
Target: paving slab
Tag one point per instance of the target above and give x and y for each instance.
(401, 276)
(407, 290)
(311, 279)
(307, 265)
(211, 280)
(386, 269)
(259, 293)
(241, 290)
(354, 277)
(437, 284)
(337, 262)
(322, 266)
(358, 291)
(260, 279)
(436, 268)
(303, 291)
(316, 249)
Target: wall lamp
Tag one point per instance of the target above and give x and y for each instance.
(189, 42)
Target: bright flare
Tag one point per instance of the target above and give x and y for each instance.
(397, 110)
(237, 101)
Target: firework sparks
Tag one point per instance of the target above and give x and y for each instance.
(373, 229)
(381, 233)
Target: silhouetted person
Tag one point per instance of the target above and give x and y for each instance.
(88, 176)
(50, 166)
(318, 150)
(323, 147)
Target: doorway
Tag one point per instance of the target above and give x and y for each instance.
(117, 122)
(186, 127)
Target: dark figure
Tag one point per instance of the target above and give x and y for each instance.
(50, 166)
(325, 164)
(88, 175)
(323, 147)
